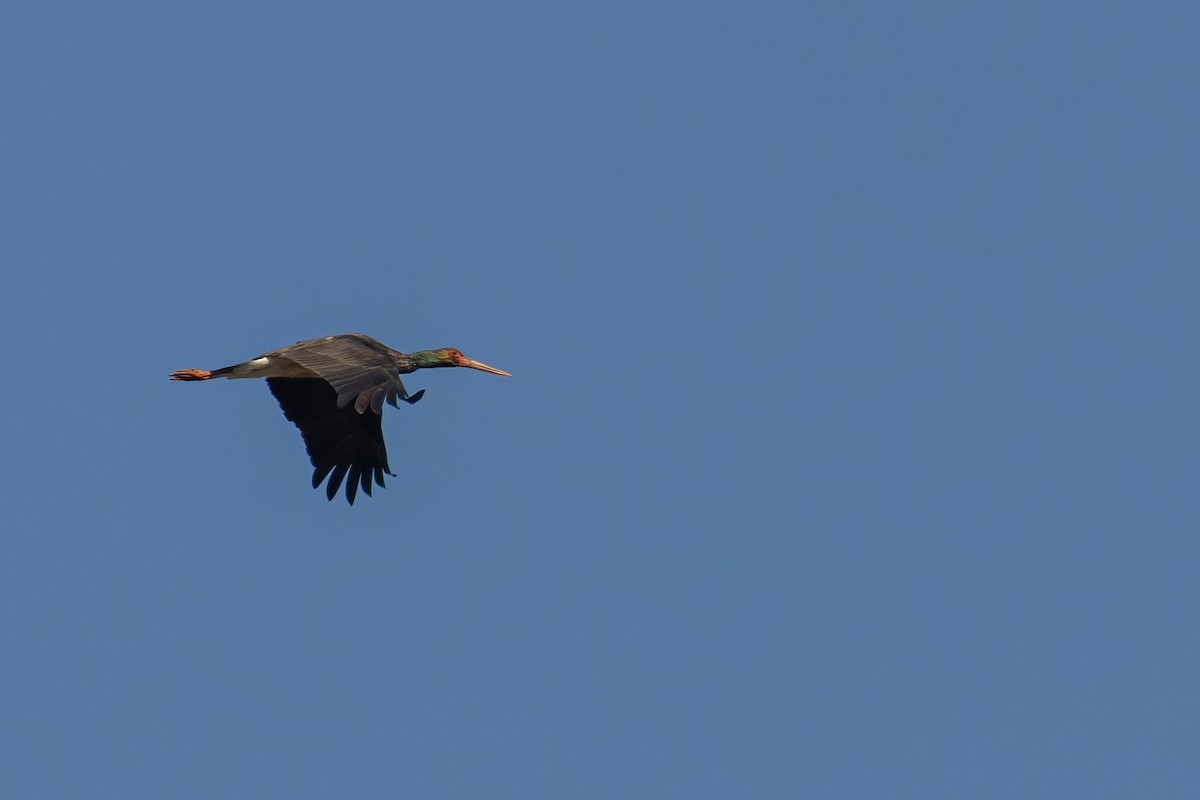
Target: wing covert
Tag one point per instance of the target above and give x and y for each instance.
(359, 369)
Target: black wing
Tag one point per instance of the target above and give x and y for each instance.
(360, 369)
(341, 442)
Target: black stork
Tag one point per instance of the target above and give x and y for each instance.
(333, 389)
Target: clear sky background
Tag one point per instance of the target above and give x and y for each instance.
(851, 449)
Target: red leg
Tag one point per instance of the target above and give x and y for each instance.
(190, 375)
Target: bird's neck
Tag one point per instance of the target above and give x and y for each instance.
(419, 359)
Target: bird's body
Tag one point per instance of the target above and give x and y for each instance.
(333, 389)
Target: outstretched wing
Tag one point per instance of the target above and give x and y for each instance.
(342, 443)
(360, 369)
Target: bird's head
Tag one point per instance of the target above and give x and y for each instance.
(450, 357)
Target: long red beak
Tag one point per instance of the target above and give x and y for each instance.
(479, 365)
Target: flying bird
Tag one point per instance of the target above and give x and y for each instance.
(333, 389)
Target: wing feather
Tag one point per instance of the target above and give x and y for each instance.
(340, 441)
(360, 369)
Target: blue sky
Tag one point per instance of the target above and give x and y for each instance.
(851, 448)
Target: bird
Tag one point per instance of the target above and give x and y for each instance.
(333, 389)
